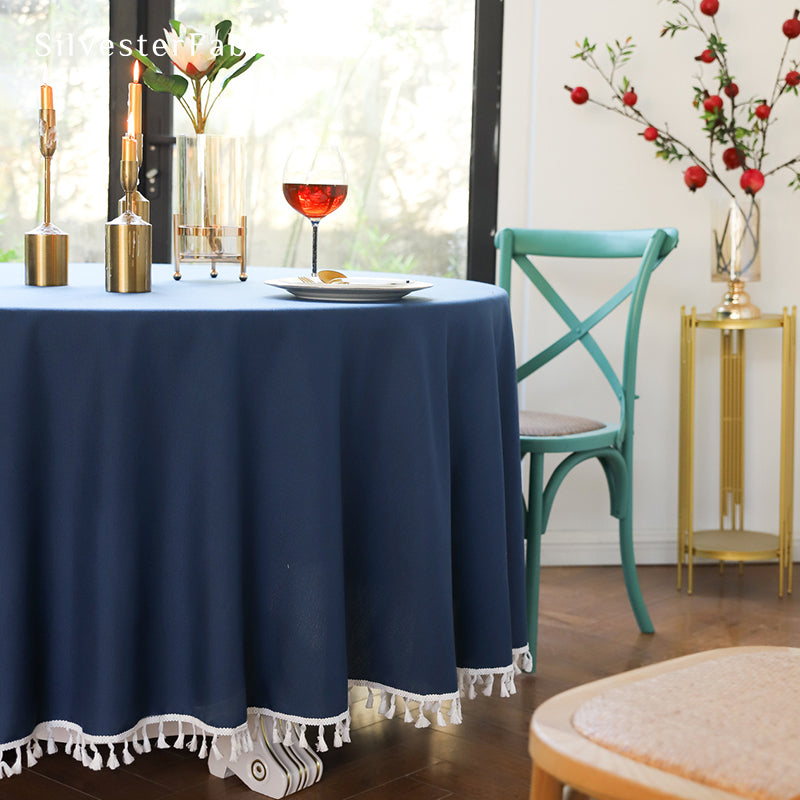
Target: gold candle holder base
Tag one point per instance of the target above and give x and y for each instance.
(46, 256)
(129, 242)
(129, 254)
(736, 304)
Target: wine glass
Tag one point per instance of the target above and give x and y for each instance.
(315, 184)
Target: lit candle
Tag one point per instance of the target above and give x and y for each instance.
(47, 97)
(128, 148)
(135, 99)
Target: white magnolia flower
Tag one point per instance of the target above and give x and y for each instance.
(191, 52)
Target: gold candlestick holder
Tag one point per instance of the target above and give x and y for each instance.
(129, 241)
(140, 204)
(47, 246)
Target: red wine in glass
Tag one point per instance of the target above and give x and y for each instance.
(315, 200)
(315, 184)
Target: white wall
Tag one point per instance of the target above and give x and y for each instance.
(568, 166)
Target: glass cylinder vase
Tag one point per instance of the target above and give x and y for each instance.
(736, 240)
(210, 220)
(736, 253)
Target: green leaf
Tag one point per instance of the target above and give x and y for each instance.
(249, 63)
(229, 57)
(158, 82)
(222, 30)
(176, 25)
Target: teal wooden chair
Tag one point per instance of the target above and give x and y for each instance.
(577, 437)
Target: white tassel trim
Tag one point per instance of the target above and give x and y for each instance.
(286, 729)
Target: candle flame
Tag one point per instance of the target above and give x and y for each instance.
(137, 68)
(131, 127)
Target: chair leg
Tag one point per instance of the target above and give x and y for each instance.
(544, 786)
(533, 536)
(629, 573)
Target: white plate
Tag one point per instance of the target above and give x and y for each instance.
(356, 290)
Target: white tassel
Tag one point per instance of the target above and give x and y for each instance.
(276, 734)
(504, 692)
(346, 729)
(488, 684)
(234, 756)
(422, 720)
(137, 745)
(370, 701)
(5, 770)
(113, 761)
(179, 741)
(192, 746)
(526, 661)
(37, 749)
(471, 693)
(51, 742)
(30, 758)
(392, 706)
(203, 748)
(384, 705)
(407, 716)
(440, 720)
(127, 758)
(214, 748)
(337, 735)
(288, 738)
(145, 741)
(161, 744)
(303, 741)
(455, 711)
(322, 747)
(86, 759)
(96, 763)
(68, 745)
(76, 752)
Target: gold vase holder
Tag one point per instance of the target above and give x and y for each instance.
(129, 241)
(736, 303)
(212, 240)
(46, 246)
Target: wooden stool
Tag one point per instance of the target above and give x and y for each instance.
(717, 725)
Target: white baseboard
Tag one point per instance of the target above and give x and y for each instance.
(599, 548)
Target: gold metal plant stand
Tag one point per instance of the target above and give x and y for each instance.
(731, 541)
(214, 250)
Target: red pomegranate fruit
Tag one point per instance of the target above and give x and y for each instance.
(650, 133)
(713, 103)
(762, 111)
(695, 177)
(629, 98)
(709, 7)
(579, 95)
(752, 181)
(731, 158)
(791, 28)
(732, 89)
(792, 78)
(707, 56)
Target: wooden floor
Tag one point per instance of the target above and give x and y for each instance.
(587, 631)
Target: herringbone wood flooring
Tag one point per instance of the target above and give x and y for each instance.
(587, 631)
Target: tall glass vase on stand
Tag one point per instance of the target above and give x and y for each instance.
(736, 253)
(209, 221)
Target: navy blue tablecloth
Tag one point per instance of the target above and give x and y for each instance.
(215, 497)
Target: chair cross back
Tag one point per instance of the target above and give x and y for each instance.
(610, 444)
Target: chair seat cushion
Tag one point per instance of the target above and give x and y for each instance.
(542, 423)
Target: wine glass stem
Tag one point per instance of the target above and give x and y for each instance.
(314, 226)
